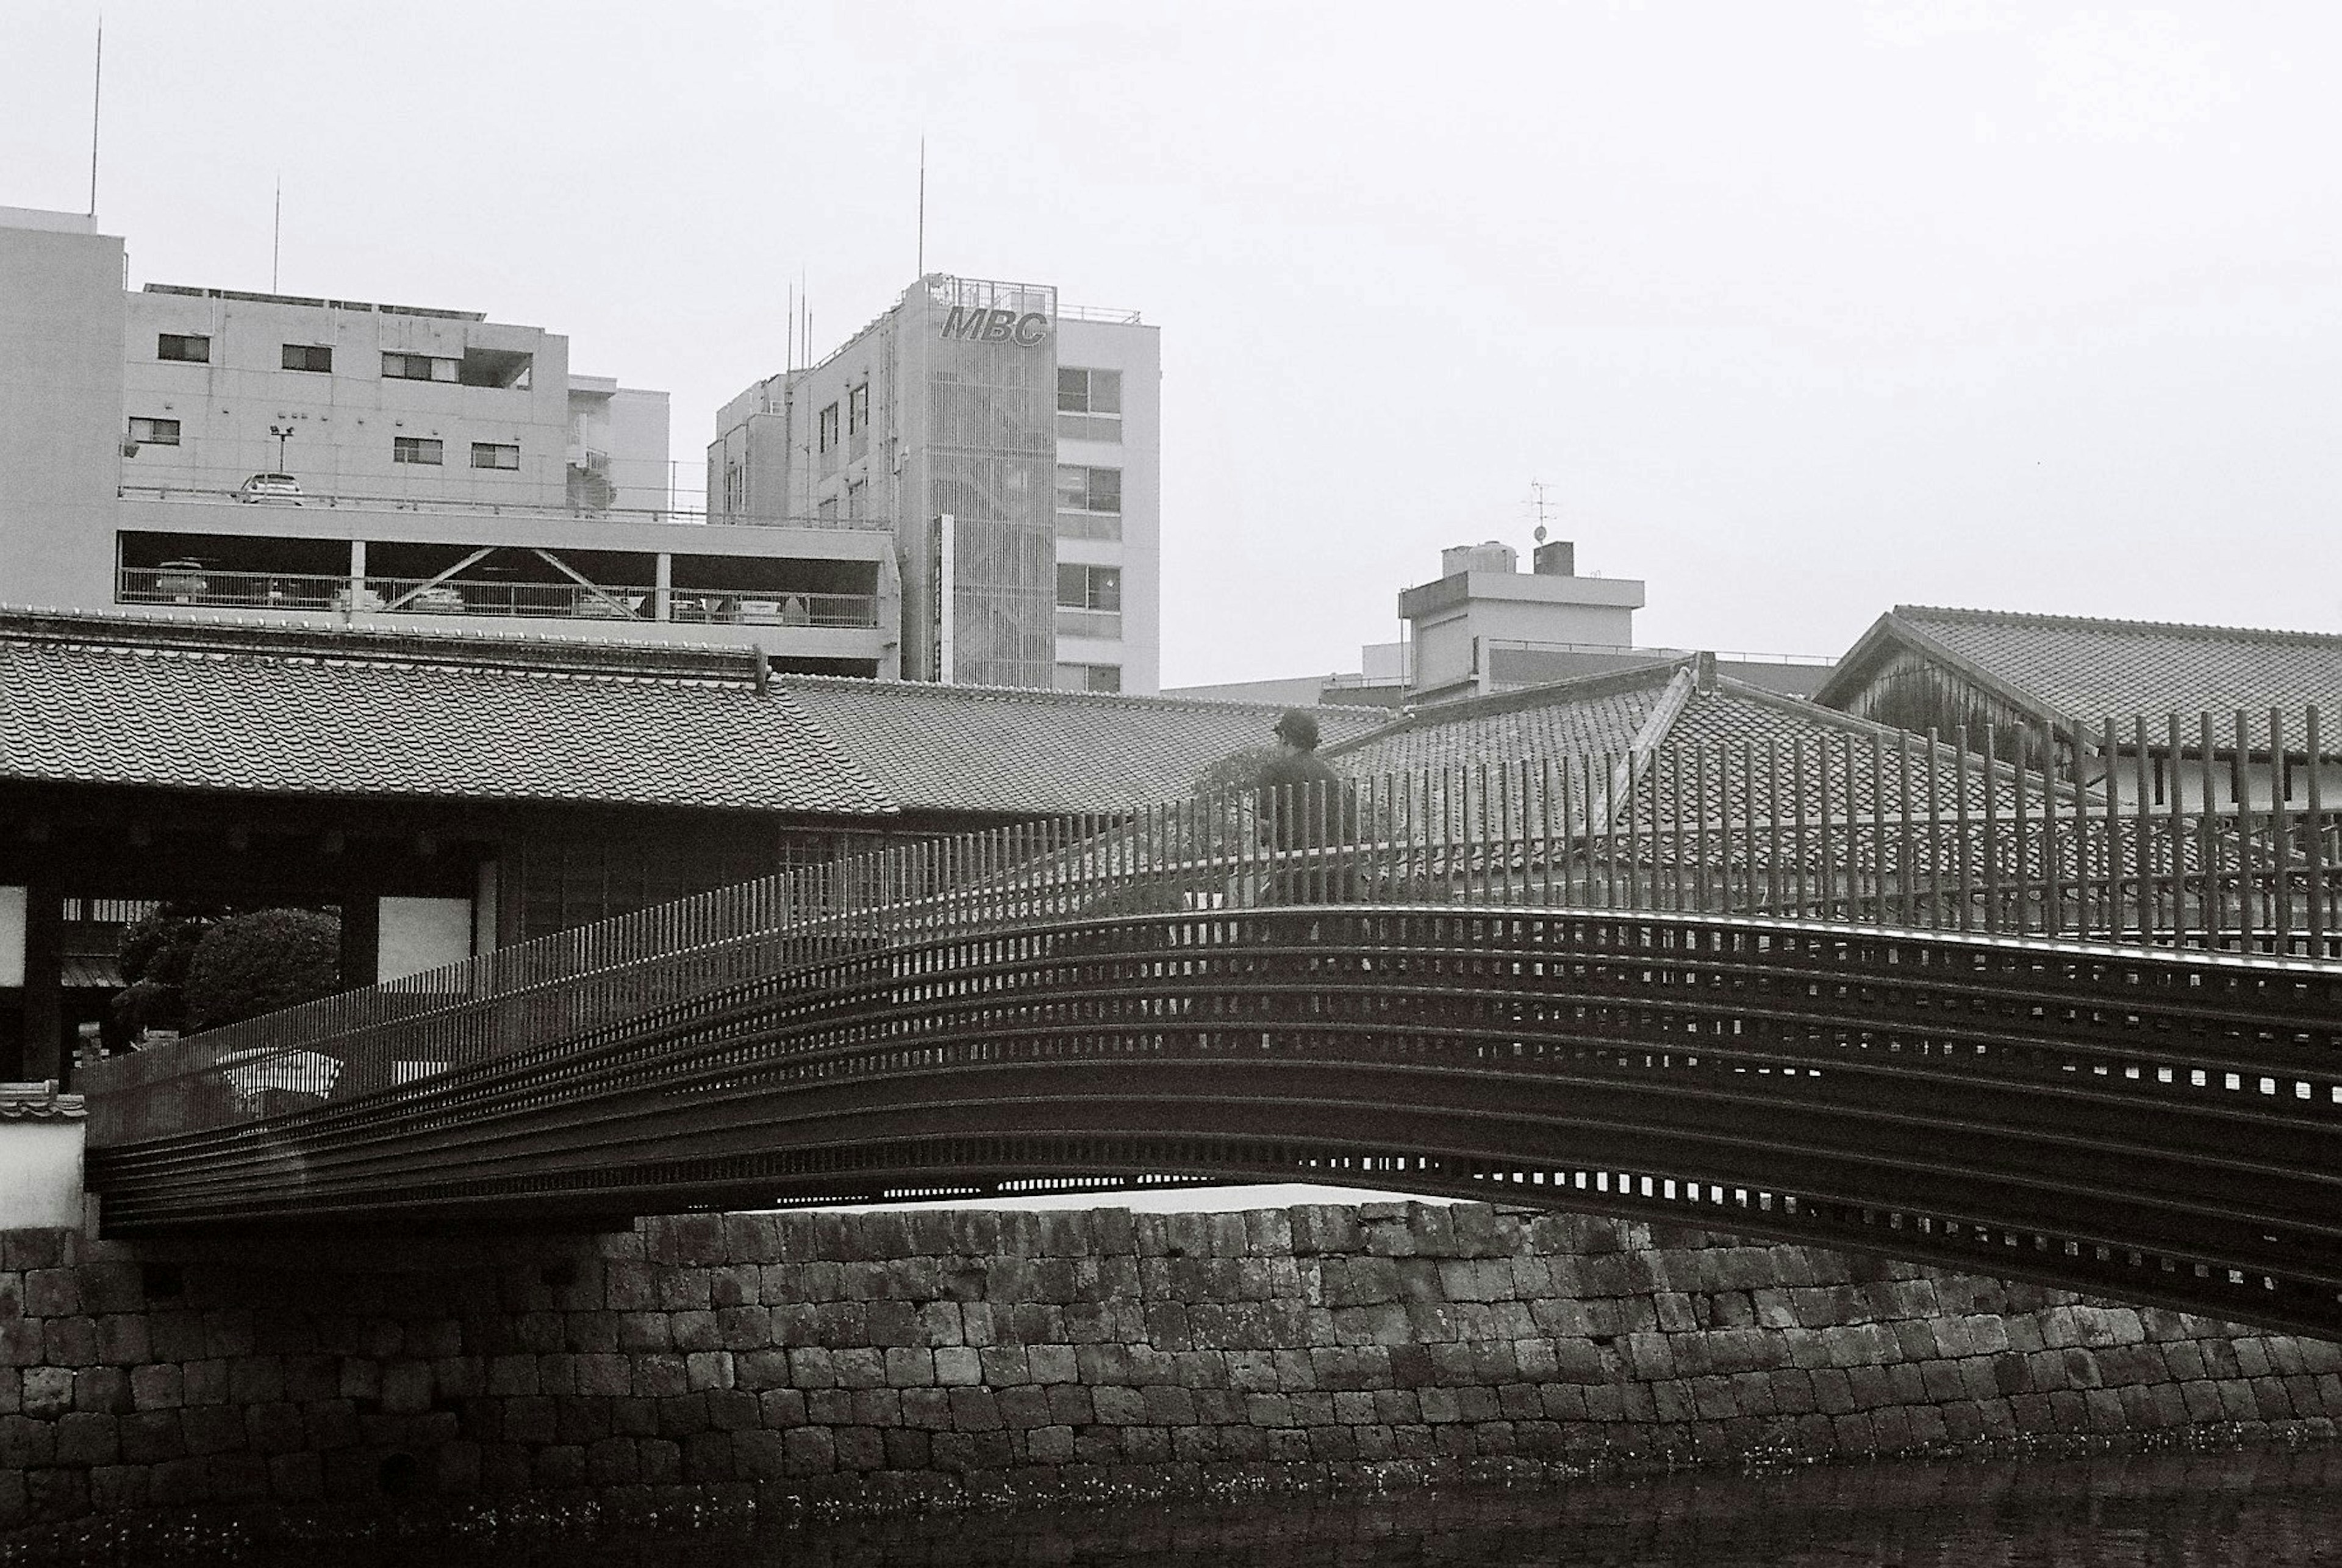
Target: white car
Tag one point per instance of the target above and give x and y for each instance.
(270, 490)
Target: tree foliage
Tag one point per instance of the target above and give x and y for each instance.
(248, 964)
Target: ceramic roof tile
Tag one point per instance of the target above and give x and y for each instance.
(998, 749)
(2092, 669)
(1750, 738)
(110, 703)
(1584, 717)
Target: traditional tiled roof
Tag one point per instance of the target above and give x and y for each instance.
(114, 700)
(1660, 722)
(1584, 717)
(37, 1103)
(997, 749)
(2066, 667)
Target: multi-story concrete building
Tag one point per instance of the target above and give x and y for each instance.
(320, 460)
(1012, 447)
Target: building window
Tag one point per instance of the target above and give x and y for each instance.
(1089, 392)
(829, 435)
(1088, 678)
(422, 449)
(1089, 587)
(154, 432)
(857, 409)
(418, 367)
(184, 346)
(308, 356)
(495, 454)
(1081, 489)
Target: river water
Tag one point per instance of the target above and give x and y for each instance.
(2249, 1509)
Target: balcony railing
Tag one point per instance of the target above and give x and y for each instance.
(216, 589)
(467, 506)
(1106, 623)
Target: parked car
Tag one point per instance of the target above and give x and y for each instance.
(439, 599)
(270, 490)
(183, 581)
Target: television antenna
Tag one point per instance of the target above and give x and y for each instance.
(1540, 507)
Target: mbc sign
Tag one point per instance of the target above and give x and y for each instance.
(1027, 331)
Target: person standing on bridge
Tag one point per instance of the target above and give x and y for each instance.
(1304, 806)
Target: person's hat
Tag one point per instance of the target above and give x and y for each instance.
(1299, 727)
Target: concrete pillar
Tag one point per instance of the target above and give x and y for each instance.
(662, 586)
(357, 573)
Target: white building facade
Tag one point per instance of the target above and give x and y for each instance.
(1012, 447)
(184, 450)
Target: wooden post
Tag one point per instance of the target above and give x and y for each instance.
(2314, 844)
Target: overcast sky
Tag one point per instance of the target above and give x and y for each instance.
(1798, 311)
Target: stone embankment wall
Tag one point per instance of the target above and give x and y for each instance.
(896, 1358)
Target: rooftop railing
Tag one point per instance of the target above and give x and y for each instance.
(184, 584)
(2026, 835)
(474, 507)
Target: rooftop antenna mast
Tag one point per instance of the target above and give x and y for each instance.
(276, 234)
(97, 96)
(922, 207)
(1540, 506)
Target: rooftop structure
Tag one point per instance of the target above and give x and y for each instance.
(1010, 446)
(315, 460)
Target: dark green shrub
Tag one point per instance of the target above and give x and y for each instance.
(249, 964)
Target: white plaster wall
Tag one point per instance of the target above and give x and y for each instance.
(40, 1175)
(11, 937)
(420, 934)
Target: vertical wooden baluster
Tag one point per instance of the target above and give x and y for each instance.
(1935, 831)
(1504, 833)
(2174, 791)
(1545, 831)
(1609, 830)
(2052, 852)
(1906, 852)
(1880, 914)
(2110, 778)
(2142, 854)
(2314, 842)
(1775, 887)
(1567, 769)
(1803, 848)
(2247, 862)
(1962, 823)
(1825, 847)
(2281, 833)
(1633, 805)
(1700, 832)
(2211, 862)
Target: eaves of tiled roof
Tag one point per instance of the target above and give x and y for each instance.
(2067, 668)
(1012, 750)
(114, 701)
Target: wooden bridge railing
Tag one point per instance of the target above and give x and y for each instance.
(2170, 835)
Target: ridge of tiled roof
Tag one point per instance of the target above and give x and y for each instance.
(419, 644)
(2202, 630)
(38, 1103)
(2073, 668)
(1018, 749)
